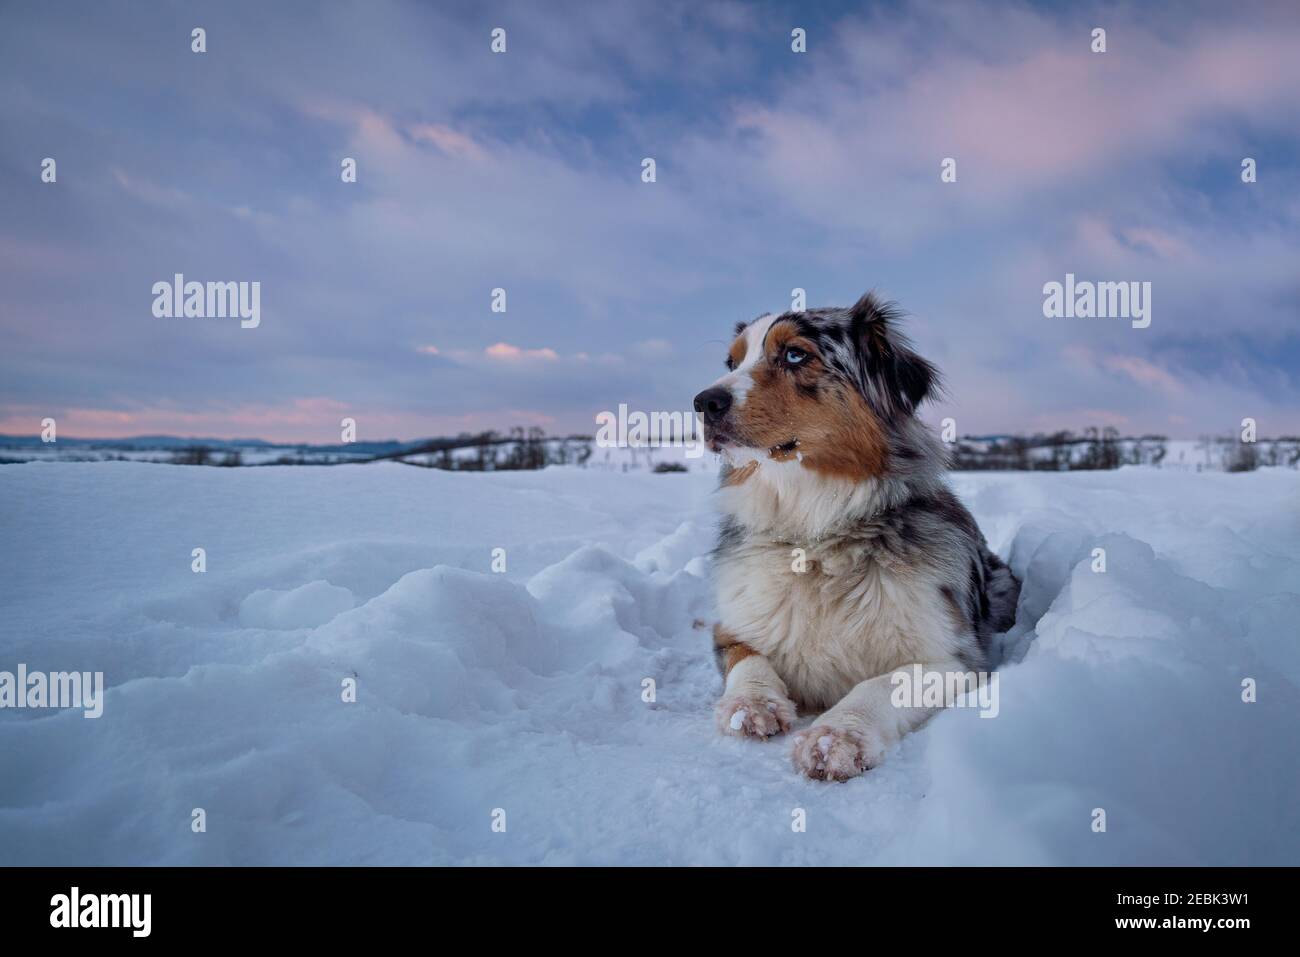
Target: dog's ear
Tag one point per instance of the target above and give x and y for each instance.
(895, 375)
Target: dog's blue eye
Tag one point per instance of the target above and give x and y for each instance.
(795, 356)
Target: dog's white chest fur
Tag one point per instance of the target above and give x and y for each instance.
(844, 618)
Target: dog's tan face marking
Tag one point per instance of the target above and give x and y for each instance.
(736, 354)
(795, 409)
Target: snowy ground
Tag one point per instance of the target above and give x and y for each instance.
(523, 691)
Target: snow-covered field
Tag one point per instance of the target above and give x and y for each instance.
(523, 691)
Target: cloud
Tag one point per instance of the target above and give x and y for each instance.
(505, 352)
(447, 140)
(307, 419)
(653, 349)
(1144, 373)
(167, 197)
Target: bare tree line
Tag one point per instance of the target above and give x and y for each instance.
(527, 448)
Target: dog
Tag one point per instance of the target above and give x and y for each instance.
(843, 559)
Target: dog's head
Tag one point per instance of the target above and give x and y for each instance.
(828, 388)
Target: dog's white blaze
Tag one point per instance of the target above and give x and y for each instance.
(740, 379)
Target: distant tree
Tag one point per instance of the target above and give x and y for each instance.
(535, 448)
(1159, 451)
(1019, 450)
(1110, 449)
(514, 457)
(1061, 442)
(1102, 450)
(1206, 443)
(1241, 457)
(486, 452)
(1146, 450)
(1091, 456)
(194, 455)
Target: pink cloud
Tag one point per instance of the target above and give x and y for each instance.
(1098, 238)
(167, 197)
(1144, 373)
(1139, 370)
(1086, 417)
(314, 420)
(1011, 117)
(29, 255)
(508, 353)
(446, 139)
(373, 130)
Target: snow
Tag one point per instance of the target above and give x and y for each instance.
(307, 606)
(527, 690)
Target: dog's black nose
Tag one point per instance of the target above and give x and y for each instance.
(713, 404)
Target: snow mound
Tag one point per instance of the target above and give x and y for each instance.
(307, 606)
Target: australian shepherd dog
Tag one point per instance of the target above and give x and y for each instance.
(843, 557)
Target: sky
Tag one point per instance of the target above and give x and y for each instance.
(523, 171)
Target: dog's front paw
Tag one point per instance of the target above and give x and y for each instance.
(754, 716)
(827, 753)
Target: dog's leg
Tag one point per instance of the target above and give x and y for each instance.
(754, 702)
(853, 736)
